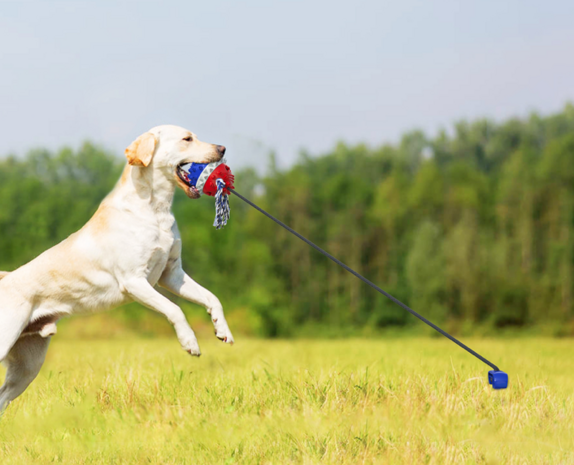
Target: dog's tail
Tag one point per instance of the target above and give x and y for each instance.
(3, 274)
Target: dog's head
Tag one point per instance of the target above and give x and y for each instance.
(167, 148)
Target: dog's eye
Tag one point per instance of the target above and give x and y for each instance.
(188, 139)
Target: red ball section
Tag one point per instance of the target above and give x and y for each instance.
(221, 172)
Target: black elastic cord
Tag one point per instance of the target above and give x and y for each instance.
(365, 280)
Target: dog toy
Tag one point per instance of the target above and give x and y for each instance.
(213, 179)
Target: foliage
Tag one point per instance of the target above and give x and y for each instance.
(474, 229)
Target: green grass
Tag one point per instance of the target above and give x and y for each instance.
(338, 401)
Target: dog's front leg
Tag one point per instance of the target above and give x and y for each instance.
(141, 291)
(175, 280)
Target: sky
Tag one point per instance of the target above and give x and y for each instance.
(269, 75)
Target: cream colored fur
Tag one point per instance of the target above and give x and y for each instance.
(129, 246)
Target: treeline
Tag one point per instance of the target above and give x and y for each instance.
(473, 228)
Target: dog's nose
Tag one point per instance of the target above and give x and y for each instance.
(221, 149)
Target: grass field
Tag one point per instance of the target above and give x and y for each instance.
(350, 401)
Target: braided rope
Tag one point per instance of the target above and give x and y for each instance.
(221, 205)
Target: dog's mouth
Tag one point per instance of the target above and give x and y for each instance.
(182, 176)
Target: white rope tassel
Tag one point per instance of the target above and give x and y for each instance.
(221, 205)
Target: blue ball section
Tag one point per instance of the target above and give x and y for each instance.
(498, 379)
(195, 171)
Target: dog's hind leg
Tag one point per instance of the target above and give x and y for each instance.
(24, 362)
(15, 312)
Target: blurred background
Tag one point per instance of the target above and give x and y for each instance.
(428, 145)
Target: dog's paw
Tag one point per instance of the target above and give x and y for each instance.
(224, 334)
(222, 331)
(191, 347)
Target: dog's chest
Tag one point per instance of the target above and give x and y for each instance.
(160, 248)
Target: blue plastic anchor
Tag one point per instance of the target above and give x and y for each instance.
(498, 379)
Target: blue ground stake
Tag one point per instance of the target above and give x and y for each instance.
(498, 379)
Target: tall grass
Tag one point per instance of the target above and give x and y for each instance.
(349, 401)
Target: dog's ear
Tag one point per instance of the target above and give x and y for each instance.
(140, 152)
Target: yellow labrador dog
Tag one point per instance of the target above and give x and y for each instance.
(131, 244)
